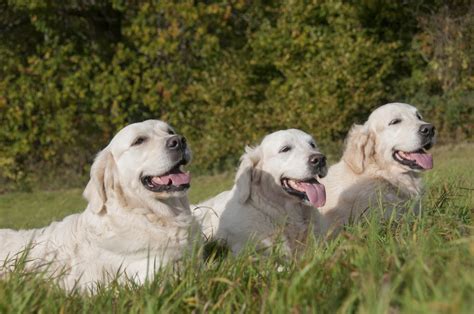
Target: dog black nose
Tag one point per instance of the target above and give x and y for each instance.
(427, 130)
(176, 142)
(317, 160)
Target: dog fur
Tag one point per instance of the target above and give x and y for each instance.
(126, 228)
(258, 209)
(368, 175)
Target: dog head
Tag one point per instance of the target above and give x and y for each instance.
(287, 163)
(394, 137)
(142, 164)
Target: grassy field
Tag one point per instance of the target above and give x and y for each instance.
(417, 265)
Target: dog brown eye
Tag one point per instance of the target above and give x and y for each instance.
(170, 132)
(419, 116)
(139, 140)
(395, 121)
(285, 149)
(312, 145)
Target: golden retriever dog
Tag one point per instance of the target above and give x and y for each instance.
(137, 218)
(381, 165)
(275, 196)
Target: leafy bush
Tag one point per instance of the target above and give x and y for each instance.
(442, 80)
(223, 72)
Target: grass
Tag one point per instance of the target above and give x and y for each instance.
(417, 265)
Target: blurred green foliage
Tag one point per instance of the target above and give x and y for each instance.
(224, 73)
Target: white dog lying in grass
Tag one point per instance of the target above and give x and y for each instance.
(137, 218)
(381, 164)
(275, 196)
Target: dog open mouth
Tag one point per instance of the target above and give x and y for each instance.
(308, 190)
(419, 159)
(175, 180)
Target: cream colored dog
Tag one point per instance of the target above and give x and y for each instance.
(137, 219)
(275, 196)
(381, 164)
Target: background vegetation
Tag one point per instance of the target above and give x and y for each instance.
(223, 72)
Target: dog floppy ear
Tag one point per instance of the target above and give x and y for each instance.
(101, 183)
(246, 172)
(359, 148)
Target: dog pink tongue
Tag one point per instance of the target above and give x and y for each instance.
(316, 193)
(173, 179)
(180, 178)
(424, 160)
